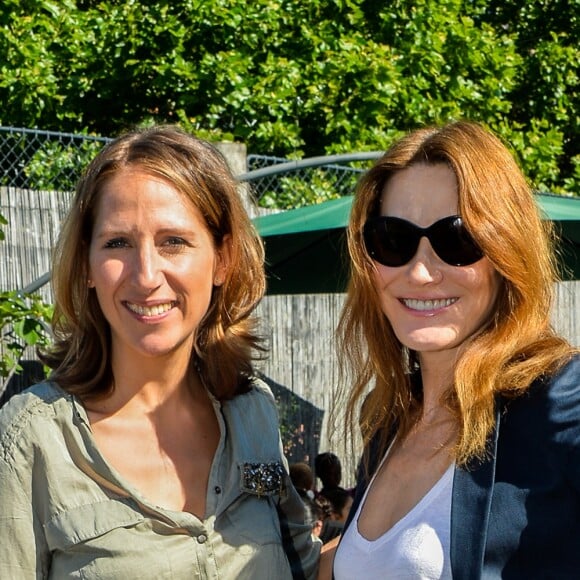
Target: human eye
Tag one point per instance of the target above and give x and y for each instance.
(175, 241)
(174, 245)
(115, 243)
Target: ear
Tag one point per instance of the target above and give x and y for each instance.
(223, 260)
(90, 281)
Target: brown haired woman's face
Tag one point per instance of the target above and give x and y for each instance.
(432, 306)
(152, 264)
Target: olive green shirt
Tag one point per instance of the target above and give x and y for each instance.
(66, 513)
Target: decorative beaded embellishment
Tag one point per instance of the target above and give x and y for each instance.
(263, 478)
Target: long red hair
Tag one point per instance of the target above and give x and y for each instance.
(518, 343)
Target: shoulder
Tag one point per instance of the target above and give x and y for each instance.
(567, 377)
(262, 390)
(38, 399)
(559, 386)
(253, 415)
(29, 412)
(563, 394)
(259, 394)
(258, 391)
(551, 405)
(560, 391)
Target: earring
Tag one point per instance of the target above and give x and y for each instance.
(90, 283)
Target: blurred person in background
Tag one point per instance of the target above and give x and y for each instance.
(328, 468)
(302, 478)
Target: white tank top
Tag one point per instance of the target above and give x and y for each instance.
(416, 547)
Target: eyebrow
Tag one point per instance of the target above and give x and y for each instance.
(105, 232)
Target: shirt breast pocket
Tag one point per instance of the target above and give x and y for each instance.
(255, 519)
(253, 516)
(105, 539)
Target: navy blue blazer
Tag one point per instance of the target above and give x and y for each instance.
(516, 515)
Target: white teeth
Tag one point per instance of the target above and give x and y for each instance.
(149, 310)
(427, 304)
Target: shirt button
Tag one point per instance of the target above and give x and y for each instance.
(217, 489)
(201, 539)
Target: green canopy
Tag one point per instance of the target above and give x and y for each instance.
(306, 247)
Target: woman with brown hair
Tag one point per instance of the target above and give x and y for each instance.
(152, 451)
(471, 427)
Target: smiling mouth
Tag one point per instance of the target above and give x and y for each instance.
(150, 310)
(414, 304)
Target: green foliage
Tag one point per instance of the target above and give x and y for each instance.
(3, 222)
(23, 322)
(293, 78)
(56, 161)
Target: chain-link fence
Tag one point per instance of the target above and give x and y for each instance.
(53, 161)
(304, 184)
(44, 160)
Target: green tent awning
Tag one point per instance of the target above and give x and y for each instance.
(306, 249)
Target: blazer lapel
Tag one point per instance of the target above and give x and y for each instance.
(470, 507)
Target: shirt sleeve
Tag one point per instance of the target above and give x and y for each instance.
(568, 417)
(23, 551)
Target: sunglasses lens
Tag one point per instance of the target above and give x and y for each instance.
(390, 241)
(453, 243)
(393, 241)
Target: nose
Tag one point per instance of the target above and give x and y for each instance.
(147, 267)
(425, 266)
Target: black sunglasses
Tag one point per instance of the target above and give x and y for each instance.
(394, 241)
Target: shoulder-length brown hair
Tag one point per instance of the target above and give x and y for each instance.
(516, 346)
(226, 341)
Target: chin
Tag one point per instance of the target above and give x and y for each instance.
(157, 348)
(153, 352)
(431, 342)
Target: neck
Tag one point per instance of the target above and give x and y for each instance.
(437, 375)
(151, 384)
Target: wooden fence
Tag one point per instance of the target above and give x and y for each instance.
(34, 219)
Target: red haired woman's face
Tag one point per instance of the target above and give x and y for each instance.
(432, 306)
